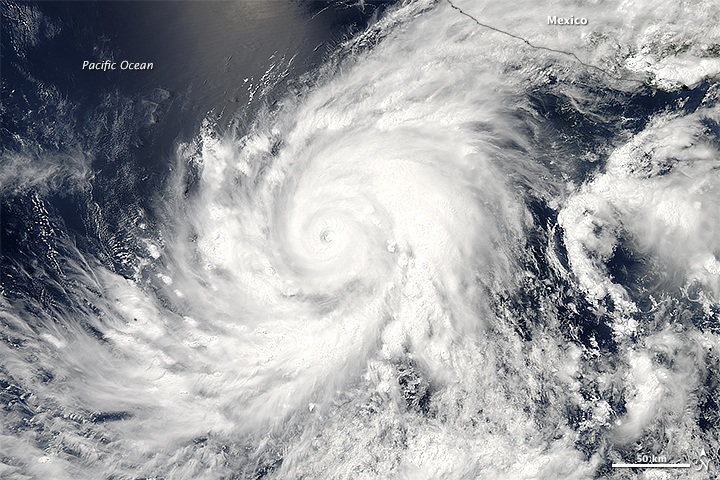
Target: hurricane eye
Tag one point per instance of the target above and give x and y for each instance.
(327, 236)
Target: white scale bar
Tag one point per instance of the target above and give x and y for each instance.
(651, 465)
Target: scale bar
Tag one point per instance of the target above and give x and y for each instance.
(651, 465)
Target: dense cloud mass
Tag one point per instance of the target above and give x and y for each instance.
(462, 243)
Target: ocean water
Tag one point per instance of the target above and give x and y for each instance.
(409, 240)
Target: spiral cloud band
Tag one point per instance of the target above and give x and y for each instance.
(468, 245)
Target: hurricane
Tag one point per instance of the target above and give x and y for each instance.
(460, 241)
